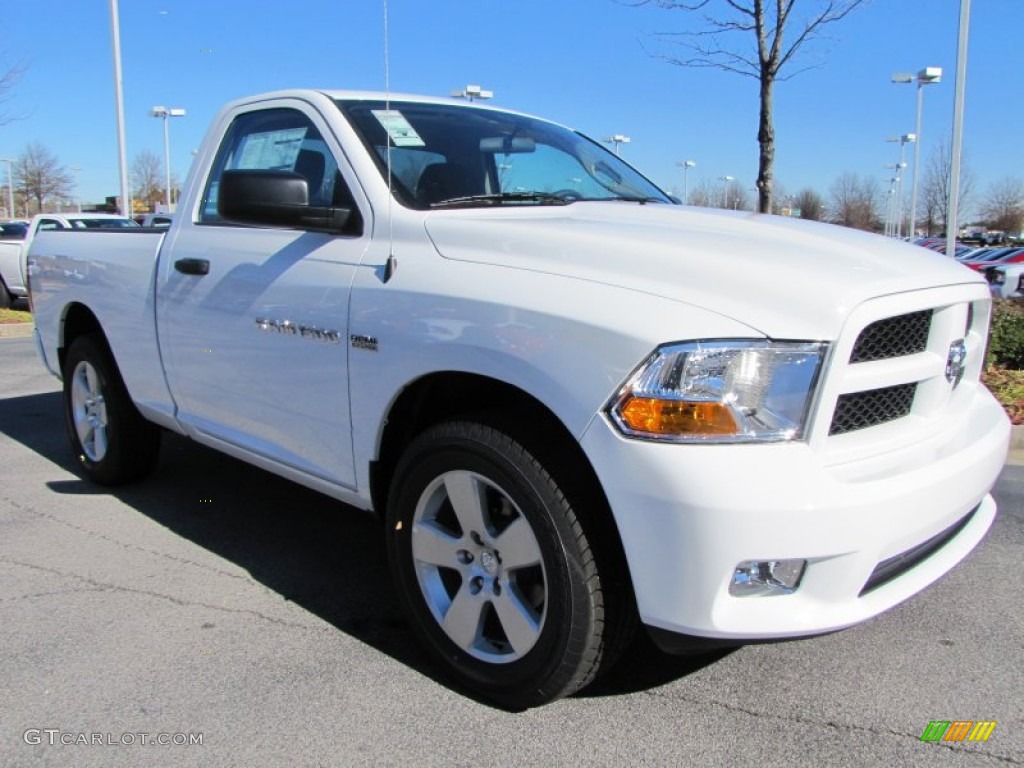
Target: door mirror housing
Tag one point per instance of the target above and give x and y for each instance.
(275, 199)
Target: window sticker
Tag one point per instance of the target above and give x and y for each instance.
(273, 150)
(401, 132)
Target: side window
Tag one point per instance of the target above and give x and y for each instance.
(276, 139)
(45, 224)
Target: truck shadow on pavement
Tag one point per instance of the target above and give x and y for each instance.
(316, 552)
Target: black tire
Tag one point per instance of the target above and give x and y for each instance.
(111, 441)
(515, 632)
(6, 297)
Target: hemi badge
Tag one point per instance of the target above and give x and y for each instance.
(369, 343)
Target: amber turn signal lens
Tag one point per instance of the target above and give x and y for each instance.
(677, 417)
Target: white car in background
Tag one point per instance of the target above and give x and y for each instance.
(1006, 281)
(12, 251)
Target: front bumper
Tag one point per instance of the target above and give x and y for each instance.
(688, 514)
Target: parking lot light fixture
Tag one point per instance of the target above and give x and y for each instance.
(167, 113)
(473, 93)
(617, 139)
(725, 189)
(686, 165)
(927, 76)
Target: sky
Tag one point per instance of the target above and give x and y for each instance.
(589, 64)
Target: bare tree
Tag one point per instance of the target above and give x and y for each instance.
(705, 194)
(810, 204)
(934, 201)
(8, 80)
(40, 176)
(1003, 206)
(854, 202)
(724, 43)
(147, 177)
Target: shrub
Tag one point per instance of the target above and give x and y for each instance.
(1006, 337)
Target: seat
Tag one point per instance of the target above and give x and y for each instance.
(444, 181)
(311, 166)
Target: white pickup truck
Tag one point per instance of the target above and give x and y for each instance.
(13, 250)
(574, 403)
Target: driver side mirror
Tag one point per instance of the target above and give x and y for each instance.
(275, 199)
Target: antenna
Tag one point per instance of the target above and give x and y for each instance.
(392, 263)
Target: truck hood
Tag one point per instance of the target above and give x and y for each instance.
(785, 278)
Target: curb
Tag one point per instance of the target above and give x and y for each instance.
(15, 330)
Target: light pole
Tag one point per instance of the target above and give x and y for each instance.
(77, 170)
(686, 165)
(166, 114)
(122, 152)
(473, 93)
(725, 189)
(953, 202)
(897, 213)
(926, 76)
(906, 138)
(10, 187)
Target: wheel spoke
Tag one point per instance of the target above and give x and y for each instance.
(434, 546)
(466, 495)
(521, 628)
(99, 443)
(518, 545)
(92, 380)
(463, 619)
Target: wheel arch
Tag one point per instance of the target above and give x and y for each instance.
(452, 395)
(77, 320)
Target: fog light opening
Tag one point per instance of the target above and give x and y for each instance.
(763, 578)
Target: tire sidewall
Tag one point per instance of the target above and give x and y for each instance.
(129, 438)
(439, 451)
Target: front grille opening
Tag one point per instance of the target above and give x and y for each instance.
(893, 337)
(897, 565)
(859, 410)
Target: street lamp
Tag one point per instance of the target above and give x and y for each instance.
(725, 188)
(10, 187)
(166, 114)
(473, 92)
(906, 138)
(926, 76)
(617, 139)
(892, 202)
(77, 170)
(686, 165)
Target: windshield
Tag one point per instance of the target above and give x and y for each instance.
(453, 155)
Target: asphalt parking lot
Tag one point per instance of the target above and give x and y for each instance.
(217, 603)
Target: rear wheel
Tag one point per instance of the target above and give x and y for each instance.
(494, 566)
(6, 297)
(111, 440)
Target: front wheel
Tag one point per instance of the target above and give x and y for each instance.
(111, 440)
(494, 567)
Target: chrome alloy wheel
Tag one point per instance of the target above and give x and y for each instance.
(479, 566)
(89, 411)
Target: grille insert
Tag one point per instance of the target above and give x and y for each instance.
(859, 410)
(893, 337)
(897, 565)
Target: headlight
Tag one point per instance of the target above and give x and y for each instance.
(721, 391)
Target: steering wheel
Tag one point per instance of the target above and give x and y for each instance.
(572, 195)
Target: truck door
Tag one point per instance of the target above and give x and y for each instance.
(255, 349)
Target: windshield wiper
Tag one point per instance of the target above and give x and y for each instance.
(546, 198)
(637, 199)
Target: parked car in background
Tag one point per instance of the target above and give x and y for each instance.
(16, 237)
(1006, 281)
(158, 220)
(997, 256)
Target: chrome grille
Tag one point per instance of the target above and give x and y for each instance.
(893, 337)
(859, 410)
